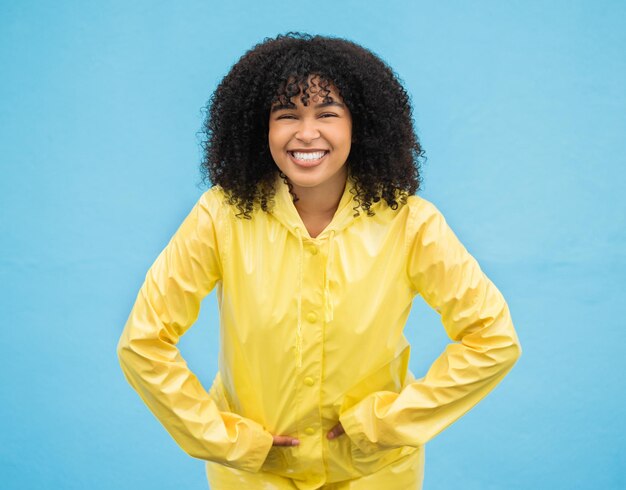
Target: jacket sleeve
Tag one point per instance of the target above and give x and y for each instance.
(168, 303)
(475, 316)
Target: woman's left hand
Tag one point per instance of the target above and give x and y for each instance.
(336, 431)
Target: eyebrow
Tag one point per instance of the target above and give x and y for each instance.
(282, 107)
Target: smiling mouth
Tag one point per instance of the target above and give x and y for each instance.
(307, 159)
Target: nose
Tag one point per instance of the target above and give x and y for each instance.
(307, 130)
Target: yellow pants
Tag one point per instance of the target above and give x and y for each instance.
(405, 474)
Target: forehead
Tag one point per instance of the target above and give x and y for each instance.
(304, 89)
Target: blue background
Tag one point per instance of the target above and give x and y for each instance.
(521, 108)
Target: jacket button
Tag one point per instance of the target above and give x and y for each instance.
(311, 317)
(309, 431)
(309, 381)
(312, 250)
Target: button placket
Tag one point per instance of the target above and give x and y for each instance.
(312, 316)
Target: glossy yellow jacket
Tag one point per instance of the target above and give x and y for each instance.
(311, 333)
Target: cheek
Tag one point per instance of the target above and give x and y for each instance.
(347, 138)
(271, 140)
(276, 145)
(346, 131)
(274, 139)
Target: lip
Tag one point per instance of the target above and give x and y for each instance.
(308, 163)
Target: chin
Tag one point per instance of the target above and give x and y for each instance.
(303, 181)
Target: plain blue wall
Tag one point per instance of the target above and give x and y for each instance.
(521, 108)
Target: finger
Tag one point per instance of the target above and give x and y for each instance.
(336, 431)
(285, 441)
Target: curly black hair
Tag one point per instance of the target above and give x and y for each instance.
(385, 156)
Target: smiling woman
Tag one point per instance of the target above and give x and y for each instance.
(317, 243)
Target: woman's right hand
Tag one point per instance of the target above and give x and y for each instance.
(285, 441)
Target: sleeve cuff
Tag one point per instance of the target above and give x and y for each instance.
(260, 444)
(358, 423)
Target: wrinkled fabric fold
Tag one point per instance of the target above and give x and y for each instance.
(328, 304)
(299, 297)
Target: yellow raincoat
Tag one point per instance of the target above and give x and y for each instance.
(311, 333)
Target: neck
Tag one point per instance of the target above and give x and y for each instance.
(321, 200)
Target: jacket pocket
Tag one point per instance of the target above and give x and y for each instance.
(366, 464)
(276, 461)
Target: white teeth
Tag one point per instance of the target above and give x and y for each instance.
(308, 156)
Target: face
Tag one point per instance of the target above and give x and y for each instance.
(310, 144)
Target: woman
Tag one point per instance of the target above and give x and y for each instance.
(317, 244)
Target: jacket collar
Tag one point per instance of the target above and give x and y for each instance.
(286, 213)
